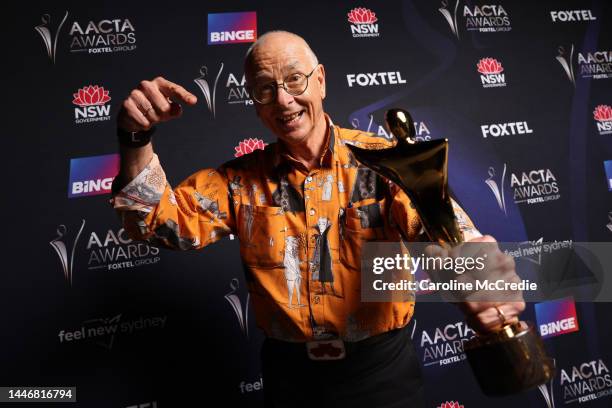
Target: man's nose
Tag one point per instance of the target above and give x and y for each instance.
(283, 98)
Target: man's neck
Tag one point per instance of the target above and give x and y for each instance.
(309, 153)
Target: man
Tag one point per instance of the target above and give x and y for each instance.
(339, 350)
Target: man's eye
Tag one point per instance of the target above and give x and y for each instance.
(294, 78)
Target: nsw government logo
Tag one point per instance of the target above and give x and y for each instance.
(450, 404)
(603, 117)
(249, 146)
(92, 106)
(232, 28)
(556, 317)
(491, 73)
(363, 22)
(92, 175)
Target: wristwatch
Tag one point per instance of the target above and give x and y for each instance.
(134, 139)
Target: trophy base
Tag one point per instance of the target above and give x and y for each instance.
(510, 361)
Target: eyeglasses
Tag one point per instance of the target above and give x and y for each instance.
(294, 84)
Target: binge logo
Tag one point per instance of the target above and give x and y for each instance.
(232, 28)
(556, 317)
(608, 167)
(92, 175)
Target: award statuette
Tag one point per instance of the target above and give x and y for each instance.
(504, 362)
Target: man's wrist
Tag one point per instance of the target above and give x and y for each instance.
(134, 139)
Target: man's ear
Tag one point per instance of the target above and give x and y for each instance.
(321, 80)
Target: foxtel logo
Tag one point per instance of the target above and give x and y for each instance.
(572, 15)
(505, 129)
(375, 79)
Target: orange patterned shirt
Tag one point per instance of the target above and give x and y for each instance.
(301, 232)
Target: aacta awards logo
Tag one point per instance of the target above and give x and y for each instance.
(235, 88)
(50, 34)
(92, 106)
(242, 312)
(363, 22)
(528, 187)
(603, 118)
(108, 250)
(585, 382)
(249, 146)
(421, 129)
(487, 18)
(491, 73)
(595, 65)
(103, 36)
(444, 345)
(534, 186)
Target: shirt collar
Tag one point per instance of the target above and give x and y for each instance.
(327, 160)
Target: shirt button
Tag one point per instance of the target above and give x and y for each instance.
(312, 211)
(307, 197)
(317, 299)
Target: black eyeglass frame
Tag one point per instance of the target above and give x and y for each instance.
(283, 85)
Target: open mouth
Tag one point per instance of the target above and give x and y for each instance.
(291, 119)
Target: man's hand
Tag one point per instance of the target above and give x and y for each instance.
(492, 316)
(153, 102)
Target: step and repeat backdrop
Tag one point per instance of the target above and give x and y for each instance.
(521, 89)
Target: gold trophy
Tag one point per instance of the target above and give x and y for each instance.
(504, 362)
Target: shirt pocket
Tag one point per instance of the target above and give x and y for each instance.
(261, 235)
(360, 223)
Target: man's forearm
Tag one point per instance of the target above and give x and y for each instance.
(134, 160)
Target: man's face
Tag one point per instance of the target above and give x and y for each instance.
(292, 119)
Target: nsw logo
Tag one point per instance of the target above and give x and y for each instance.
(491, 73)
(603, 117)
(249, 145)
(91, 104)
(556, 317)
(363, 22)
(92, 175)
(232, 28)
